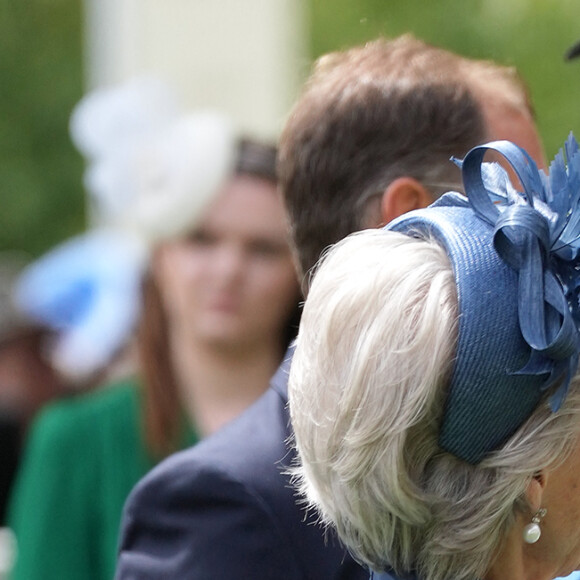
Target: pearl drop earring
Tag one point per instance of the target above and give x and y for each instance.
(532, 532)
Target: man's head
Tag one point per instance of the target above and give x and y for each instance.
(373, 132)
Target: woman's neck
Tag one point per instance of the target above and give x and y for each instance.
(216, 383)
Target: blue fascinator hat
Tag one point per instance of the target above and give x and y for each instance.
(515, 258)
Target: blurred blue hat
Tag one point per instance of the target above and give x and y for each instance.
(514, 256)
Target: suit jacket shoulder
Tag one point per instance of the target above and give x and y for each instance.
(225, 508)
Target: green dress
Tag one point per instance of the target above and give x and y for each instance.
(83, 457)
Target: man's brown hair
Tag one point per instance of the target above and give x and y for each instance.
(372, 114)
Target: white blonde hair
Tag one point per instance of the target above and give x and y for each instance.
(367, 385)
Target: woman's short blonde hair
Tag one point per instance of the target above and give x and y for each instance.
(367, 386)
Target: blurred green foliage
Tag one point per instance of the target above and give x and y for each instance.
(41, 79)
(532, 35)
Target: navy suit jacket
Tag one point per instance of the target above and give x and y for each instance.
(224, 509)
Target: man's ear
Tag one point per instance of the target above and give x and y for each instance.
(535, 490)
(402, 195)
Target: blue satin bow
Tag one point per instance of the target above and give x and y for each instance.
(537, 232)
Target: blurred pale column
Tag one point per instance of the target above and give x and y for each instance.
(245, 57)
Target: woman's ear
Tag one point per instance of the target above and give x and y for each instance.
(535, 490)
(403, 195)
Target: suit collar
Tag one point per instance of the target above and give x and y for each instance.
(279, 381)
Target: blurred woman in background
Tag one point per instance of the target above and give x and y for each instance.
(219, 307)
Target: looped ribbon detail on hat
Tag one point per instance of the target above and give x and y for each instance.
(537, 233)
